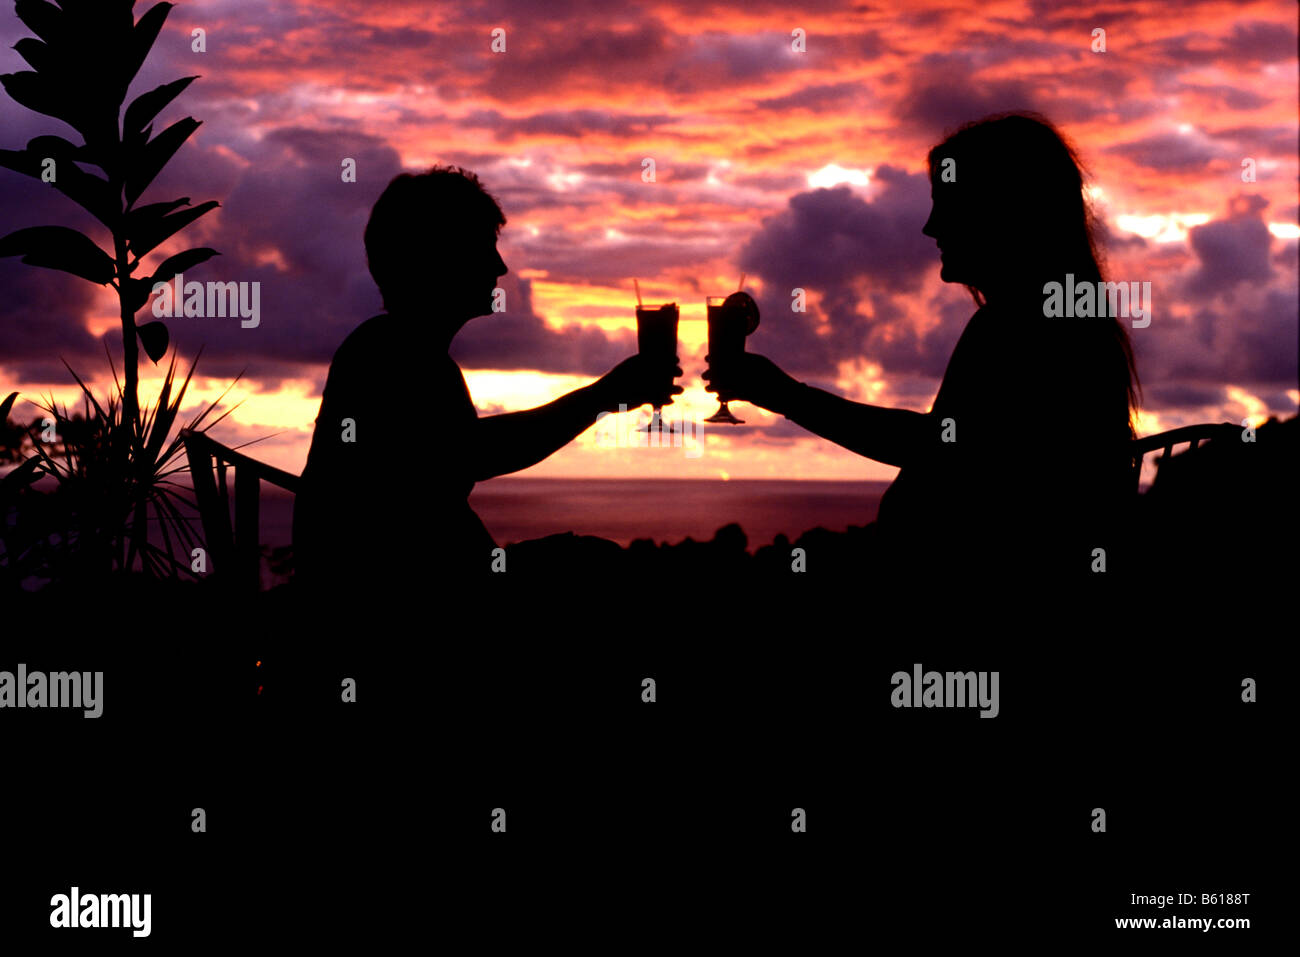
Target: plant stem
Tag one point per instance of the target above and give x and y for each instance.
(130, 397)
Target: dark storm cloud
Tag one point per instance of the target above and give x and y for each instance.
(1184, 395)
(630, 171)
(291, 223)
(40, 324)
(933, 109)
(1252, 43)
(817, 98)
(279, 80)
(288, 222)
(574, 124)
(540, 63)
(834, 244)
(1227, 96)
(1259, 341)
(1232, 250)
(771, 182)
(1240, 331)
(1167, 152)
(714, 60)
(292, 200)
(519, 339)
(1259, 141)
(42, 310)
(1249, 344)
(827, 236)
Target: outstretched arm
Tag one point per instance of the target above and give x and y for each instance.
(511, 441)
(891, 436)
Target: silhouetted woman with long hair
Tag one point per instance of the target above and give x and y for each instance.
(1022, 468)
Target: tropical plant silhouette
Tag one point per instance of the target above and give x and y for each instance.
(117, 461)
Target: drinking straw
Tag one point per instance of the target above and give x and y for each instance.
(638, 292)
(741, 287)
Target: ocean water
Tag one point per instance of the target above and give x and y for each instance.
(665, 510)
(622, 510)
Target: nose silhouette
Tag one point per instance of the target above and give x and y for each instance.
(928, 228)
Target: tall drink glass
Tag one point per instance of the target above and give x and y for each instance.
(731, 319)
(656, 339)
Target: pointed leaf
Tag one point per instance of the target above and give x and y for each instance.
(181, 262)
(156, 154)
(22, 476)
(98, 155)
(57, 147)
(142, 217)
(36, 53)
(89, 191)
(5, 406)
(147, 219)
(20, 161)
(154, 337)
(58, 247)
(43, 19)
(142, 39)
(58, 96)
(84, 42)
(41, 94)
(159, 231)
(164, 412)
(146, 106)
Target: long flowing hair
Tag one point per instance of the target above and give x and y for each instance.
(1028, 185)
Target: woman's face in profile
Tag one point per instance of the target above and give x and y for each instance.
(951, 227)
(987, 238)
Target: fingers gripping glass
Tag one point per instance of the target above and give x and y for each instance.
(656, 338)
(730, 321)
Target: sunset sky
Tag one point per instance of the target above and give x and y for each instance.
(797, 169)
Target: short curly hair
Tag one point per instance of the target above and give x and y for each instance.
(422, 212)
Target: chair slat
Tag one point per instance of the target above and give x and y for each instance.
(215, 518)
(1164, 443)
(235, 552)
(247, 539)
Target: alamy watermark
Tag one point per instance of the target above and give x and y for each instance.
(102, 910)
(219, 299)
(621, 431)
(950, 689)
(59, 689)
(1088, 300)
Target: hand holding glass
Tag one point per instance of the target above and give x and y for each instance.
(730, 321)
(656, 337)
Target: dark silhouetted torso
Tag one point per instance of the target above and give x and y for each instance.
(389, 509)
(1038, 472)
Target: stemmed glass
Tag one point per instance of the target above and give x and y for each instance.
(731, 319)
